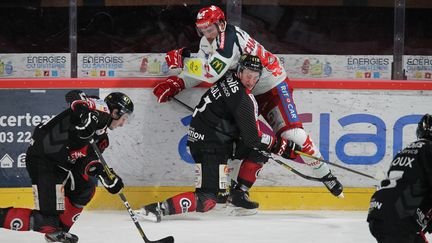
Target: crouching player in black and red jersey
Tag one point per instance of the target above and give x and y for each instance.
(62, 165)
(401, 209)
(227, 115)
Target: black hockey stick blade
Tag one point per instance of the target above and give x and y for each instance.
(168, 239)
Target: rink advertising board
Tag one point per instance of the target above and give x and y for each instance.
(124, 65)
(35, 65)
(22, 110)
(356, 124)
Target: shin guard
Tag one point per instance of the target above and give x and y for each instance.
(70, 215)
(206, 201)
(182, 203)
(16, 218)
(248, 173)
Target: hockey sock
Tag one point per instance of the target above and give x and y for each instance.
(300, 137)
(248, 173)
(70, 215)
(181, 203)
(206, 201)
(44, 223)
(15, 218)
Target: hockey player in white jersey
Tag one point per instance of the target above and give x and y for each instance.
(220, 49)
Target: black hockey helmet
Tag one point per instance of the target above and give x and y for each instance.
(250, 62)
(121, 102)
(424, 128)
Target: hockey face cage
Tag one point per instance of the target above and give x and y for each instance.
(424, 128)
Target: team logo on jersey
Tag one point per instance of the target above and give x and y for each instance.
(218, 65)
(257, 172)
(185, 204)
(75, 217)
(16, 224)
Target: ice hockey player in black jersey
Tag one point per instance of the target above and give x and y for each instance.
(401, 207)
(63, 166)
(226, 115)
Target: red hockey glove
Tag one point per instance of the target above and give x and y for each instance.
(285, 148)
(168, 88)
(174, 58)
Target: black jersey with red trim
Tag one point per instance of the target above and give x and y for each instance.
(56, 138)
(407, 191)
(227, 112)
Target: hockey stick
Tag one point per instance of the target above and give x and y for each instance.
(286, 166)
(107, 169)
(336, 165)
(183, 104)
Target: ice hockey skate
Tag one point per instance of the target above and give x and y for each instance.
(60, 236)
(239, 204)
(333, 185)
(152, 212)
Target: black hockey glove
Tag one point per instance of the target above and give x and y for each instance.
(111, 181)
(285, 148)
(423, 219)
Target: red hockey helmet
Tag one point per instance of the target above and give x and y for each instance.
(208, 16)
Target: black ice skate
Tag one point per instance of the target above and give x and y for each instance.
(240, 203)
(333, 185)
(152, 212)
(60, 236)
(222, 197)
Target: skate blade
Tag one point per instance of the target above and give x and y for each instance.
(341, 195)
(150, 217)
(239, 211)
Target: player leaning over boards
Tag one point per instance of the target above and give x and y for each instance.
(226, 115)
(220, 49)
(60, 163)
(401, 209)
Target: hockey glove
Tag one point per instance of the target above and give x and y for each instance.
(110, 180)
(174, 58)
(168, 88)
(285, 148)
(423, 219)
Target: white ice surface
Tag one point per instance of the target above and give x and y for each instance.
(217, 227)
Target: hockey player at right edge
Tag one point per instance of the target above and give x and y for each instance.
(401, 209)
(226, 115)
